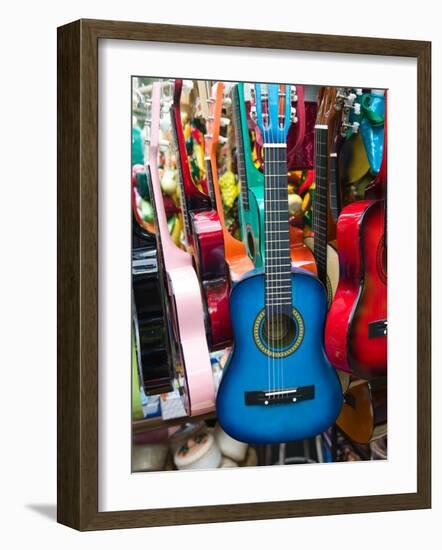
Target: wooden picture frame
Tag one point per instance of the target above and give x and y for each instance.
(77, 226)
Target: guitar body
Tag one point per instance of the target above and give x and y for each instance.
(185, 303)
(355, 333)
(249, 368)
(208, 242)
(364, 413)
(152, 342)
(188, 319)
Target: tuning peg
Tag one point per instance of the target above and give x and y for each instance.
(293, 116)
(224, 121)
(227, 101)
(293, 94)
(355, 127)
(187, 85)
(358, 91)
(357, 108)
(222, 139)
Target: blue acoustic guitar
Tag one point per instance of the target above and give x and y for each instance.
(278, 385)
(251, 200)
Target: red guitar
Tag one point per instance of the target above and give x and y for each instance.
(356, 327)
(204, 239)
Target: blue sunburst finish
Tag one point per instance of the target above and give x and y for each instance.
(248, 368)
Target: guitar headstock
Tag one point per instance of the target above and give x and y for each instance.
(273, 111)
(211, 103)
(326, 114)
(159, 99)
(346, 105)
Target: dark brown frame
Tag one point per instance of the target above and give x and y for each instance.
(77, 128)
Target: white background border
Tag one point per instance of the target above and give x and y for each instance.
(118, 489)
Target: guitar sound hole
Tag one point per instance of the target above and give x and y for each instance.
(279, 336)
(279, 332)
(251, 244)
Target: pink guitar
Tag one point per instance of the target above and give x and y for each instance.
(185, 302)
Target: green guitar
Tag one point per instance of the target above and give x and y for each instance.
(251, 201)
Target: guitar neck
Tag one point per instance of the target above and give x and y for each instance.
(210, 183)
(278, 287)
(320, 220)
(167, 250)
(191, 198)
(240, 154)
(176, 125)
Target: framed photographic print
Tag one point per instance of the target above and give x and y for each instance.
(230, 338)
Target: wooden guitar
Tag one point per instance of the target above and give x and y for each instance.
(363, 417)
(185, 304)
(335, 105)
(277, 385)
(205, 237)
(323, 225)
(356, 328)
(211, 105)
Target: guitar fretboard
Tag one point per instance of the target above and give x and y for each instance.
(210, 184)
(320, 202)
(240, 148)
(278, 282)
(334, 195)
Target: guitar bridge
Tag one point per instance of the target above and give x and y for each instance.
(377, 329)
(279, 397)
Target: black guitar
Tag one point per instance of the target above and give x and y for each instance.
(148, 313)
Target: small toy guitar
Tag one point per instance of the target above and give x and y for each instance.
(363, 417)
(277, 385)
(251, 181)
(251, 203)
(211, 106)
(327, 199)
(148, 310)
(185, 304)
(356, 328)
(205, 239)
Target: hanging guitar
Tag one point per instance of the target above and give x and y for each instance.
(149, 321)
(211, 105)
(277, 385)
(326, 257)
(185, 306)
(251, 181)
(251, 203)
(205, 239)
(363, 417)
(356, 328)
